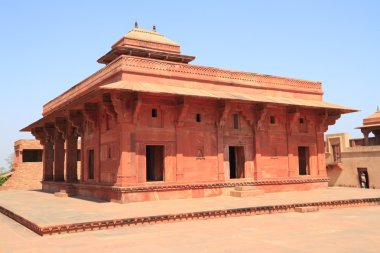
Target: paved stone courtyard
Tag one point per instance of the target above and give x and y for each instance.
(45, 209)
(337, 230)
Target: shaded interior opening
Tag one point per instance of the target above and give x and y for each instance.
(303, 160)
(236, 121)
(31, 155)
(363, 178)
(91, 164)
(237, 160)
(154, 163)
(198, 117)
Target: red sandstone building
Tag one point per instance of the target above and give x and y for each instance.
(152, 126)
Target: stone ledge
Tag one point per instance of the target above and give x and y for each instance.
(248, 193)
(190, 186)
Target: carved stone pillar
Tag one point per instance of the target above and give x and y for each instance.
(377, 136)
(76, 119)
(292, 142)
(224, 110)
(323, 121)
(321, 159)
(260, 132)
(47, 160)
(59, 157)
(366, 133)
(48, 157)
(71, 155)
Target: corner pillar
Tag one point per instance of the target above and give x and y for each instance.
(43, 134)
(366, 133)
(377, 136)
(71, 156)
(59, 157)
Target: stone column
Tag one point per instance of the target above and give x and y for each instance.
(321, 154)
(59, 157)
(220, 150)
(48, 157)
(71, 156)
(377, 136)
(366, 133)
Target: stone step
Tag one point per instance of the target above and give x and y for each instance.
(245, 188)
(306, 209)
(249, 193)
(65, 193)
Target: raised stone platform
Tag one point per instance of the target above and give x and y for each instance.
(46, 214)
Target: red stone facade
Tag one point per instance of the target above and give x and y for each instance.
(153, 126)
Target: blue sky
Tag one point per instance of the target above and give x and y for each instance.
(48, 46)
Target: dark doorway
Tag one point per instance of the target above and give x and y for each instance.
(91, 164)
(237, 160)
(303, 160)
(31, 155)
(363, 178)
(154, 163)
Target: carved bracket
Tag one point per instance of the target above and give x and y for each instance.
(225, 110)
(39, 134)
(119, 102)
(183, 109)
(49, 129)
(61, 126)
(76, 119)
(326, 119)
(109, 105)
(137, 103)
(293, 115)
(249, 117)
(90, 113)
(261, 114)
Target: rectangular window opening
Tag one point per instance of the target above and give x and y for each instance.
(272, 120)
(363, 178)
(31, 155)
(303, 161)
(91, 164)
(301, 120)
(237, 160)
(154, 163)
(109, 153)
(154, 113)
(198, 117)
(236, 121)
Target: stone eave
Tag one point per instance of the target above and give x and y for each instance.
(373, 126)
(183, 71)
(115, 53)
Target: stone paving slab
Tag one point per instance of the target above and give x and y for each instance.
(333, 231)
(44, 209)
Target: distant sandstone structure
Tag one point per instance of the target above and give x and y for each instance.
(152, 126)
(27, 166)
(355, 162)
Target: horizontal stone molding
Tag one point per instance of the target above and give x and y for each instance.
(184, 71)
(216, 185)
(202, 72)
(190, 186)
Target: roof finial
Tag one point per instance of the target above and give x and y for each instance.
(136, 24)
(154, 28)
(377, 108)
